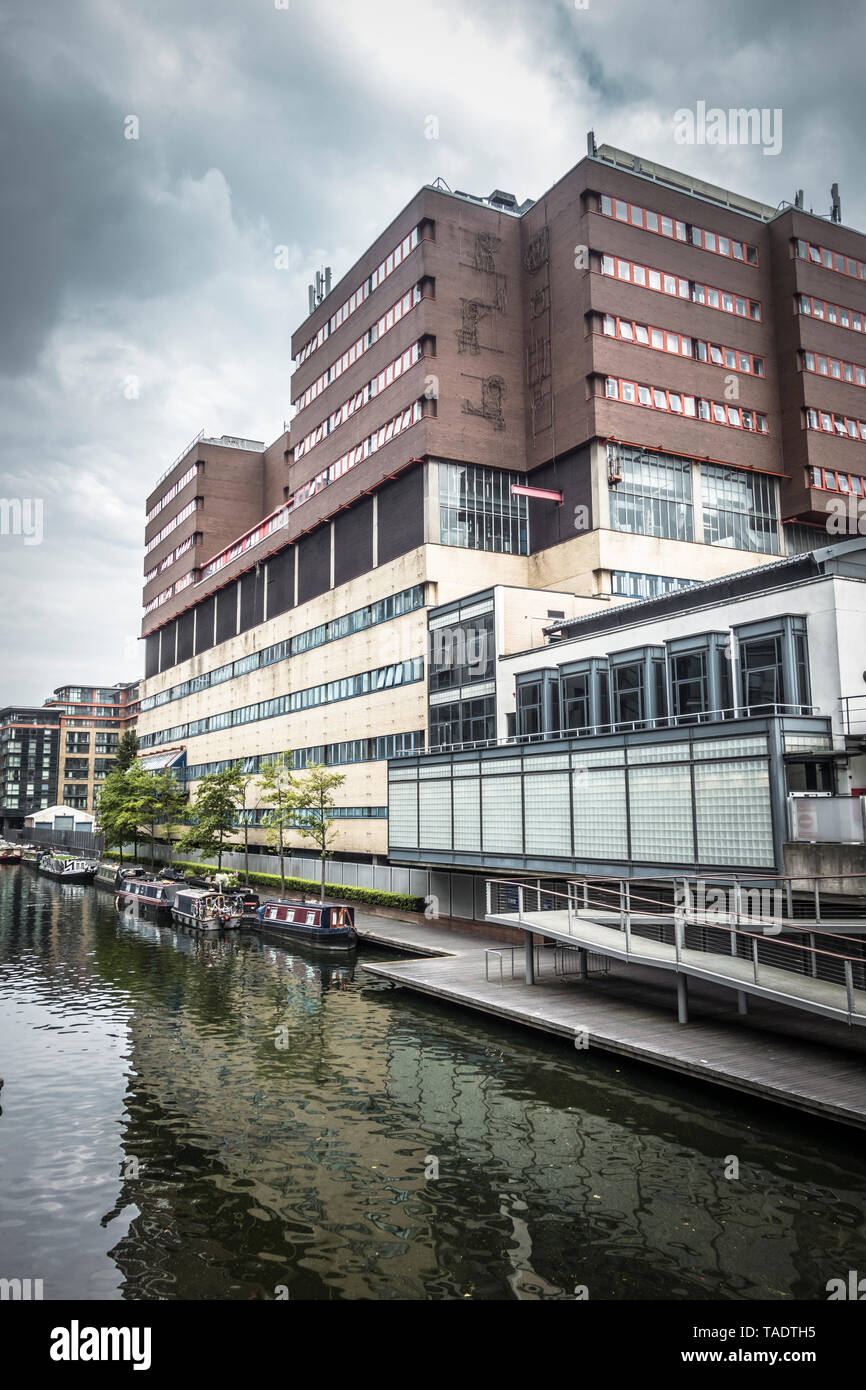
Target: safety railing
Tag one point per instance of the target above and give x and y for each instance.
(677, 916)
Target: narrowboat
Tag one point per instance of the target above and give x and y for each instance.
(68, 870)
(146, 893)
(204, 909)
(330, 926)
(9, 854)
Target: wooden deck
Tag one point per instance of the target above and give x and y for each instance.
(803, 1061)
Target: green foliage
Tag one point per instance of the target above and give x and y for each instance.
(314, 800)
(278, 791)
(214, 811)
(127, 750)
(340, 891)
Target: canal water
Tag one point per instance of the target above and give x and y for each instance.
(189, 1118)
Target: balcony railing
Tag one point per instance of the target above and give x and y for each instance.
(853, 713)
(671, 721)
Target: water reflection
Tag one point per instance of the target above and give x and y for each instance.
(199, 1116)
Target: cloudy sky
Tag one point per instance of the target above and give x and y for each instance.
(140, 296)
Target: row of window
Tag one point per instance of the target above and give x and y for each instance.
(740, 509)
(827, 422)
(365, 393)
(383, 435)
(478, 511)
(832, 313)
(671, 227)
(831, 260)
(833, 481)
(410, 416)
(172, 492)
(261, 817)
(348, 688)
(394, 606)
(383, 325)
(664, 283)
(834, 367)
(682, 345)
(387, 267)
(358, 750)
(632, 584)
(277, 521)
(171, 525)
(675, 403)
(685, 680)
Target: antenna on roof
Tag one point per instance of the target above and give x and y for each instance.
(836, 210)
(591, 147)
(798, 199)
(321, 289)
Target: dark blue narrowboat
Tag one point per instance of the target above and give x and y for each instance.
(144, 892)
(329, 926)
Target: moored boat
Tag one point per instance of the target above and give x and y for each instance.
(205, 909)
(68, 870)
(330, 926)
(9, 854)
(146, 893)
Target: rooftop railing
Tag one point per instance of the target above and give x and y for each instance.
(672, 721)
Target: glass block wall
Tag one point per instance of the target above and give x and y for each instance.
(652, 802)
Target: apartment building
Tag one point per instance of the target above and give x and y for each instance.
(29, 761)
(90, 722)
(634, 384)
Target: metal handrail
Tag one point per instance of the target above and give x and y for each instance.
(846, 702)
(182, 455)
(668, 721)
(680, 918)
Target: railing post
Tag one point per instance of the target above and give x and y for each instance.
(814, 959)
(489, 892)
(520, 902)
(678, 937)
(570, 909)
(627, 899)
(789, 899)
(755, 956)
(816, 892)
(849, 986)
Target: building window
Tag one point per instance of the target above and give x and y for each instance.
(740, 509)
(761, 673)
(689, 684)
(629, 695)
(831, 313)
(654, 497)
(631, 584)
(530, 716)
(477, 510)
(462, 652)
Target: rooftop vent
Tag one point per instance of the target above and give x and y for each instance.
(499, 199)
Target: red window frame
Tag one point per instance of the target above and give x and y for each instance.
(693, 285)
(858, 437)
(840, 362)
(666, 394)
(689, 356)
(822, 255)
(838, 310)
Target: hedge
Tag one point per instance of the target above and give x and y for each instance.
(343, 891)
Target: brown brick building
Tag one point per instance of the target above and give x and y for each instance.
(682, 370)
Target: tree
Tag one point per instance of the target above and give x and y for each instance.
(127, 750)
(114, 813)
(217, 799)
(166, 807)
(314, 801)
(246, 813)
(279, 793)
(142, 802)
